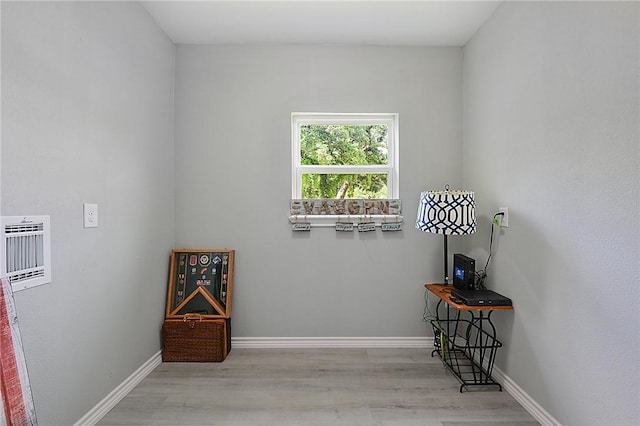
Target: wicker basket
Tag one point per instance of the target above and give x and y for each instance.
(194, 339)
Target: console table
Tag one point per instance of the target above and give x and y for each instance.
(467, 346)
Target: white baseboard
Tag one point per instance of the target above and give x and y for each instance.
(116, 395)
(529, 404)
(330, 342)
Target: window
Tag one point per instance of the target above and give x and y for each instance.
(339, 156)
(344, 165)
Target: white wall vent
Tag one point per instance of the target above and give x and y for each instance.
(26, 243)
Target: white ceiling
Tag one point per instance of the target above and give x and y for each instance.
(396, 22)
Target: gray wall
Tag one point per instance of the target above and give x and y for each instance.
(87, 94)
(233, 181)
(551, 131)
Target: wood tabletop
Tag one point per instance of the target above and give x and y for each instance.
(444, 293)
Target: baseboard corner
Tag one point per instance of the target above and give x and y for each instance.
(111, 400)
(524, 399)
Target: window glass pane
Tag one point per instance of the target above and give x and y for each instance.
(335, 185)
(342, 144)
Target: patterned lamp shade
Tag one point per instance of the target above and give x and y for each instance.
(447, 212)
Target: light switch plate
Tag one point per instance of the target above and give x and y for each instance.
(90, 215)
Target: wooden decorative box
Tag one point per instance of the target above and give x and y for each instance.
(200, 282)
(194, 339)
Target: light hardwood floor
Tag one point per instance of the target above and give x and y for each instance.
(314, 387)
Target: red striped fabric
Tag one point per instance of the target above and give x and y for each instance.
(17, 403)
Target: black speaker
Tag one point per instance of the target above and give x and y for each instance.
(464, 272)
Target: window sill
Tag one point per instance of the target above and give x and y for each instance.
(329, 220)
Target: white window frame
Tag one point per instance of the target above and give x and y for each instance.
(299, 119)
(392, 168)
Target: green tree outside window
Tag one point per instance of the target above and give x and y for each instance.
(335, 145)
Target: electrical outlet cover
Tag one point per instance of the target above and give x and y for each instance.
(504, 220)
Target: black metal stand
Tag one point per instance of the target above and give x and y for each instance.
(466, 346)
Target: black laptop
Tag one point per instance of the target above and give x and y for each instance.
(480, 298)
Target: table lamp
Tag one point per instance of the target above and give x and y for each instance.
(447, 213)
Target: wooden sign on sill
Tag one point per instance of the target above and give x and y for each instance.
(344, 207)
